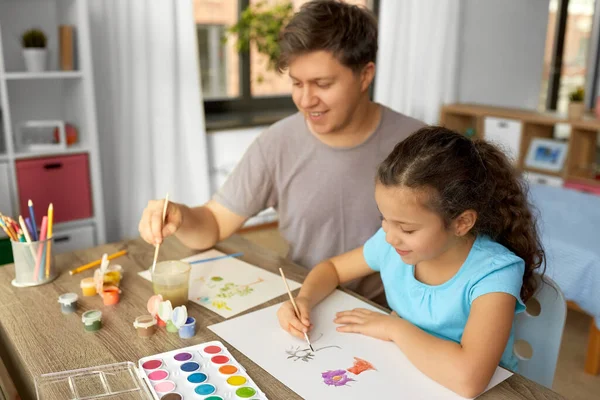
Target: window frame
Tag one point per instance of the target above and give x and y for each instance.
(245, 103)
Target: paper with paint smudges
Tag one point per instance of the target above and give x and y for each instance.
(230, 286)
(343, 366)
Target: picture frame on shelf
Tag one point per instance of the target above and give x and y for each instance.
(546, 154)
(34, 136)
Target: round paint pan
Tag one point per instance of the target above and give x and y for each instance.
(165, 386)
(172, 396)
(158, 375)
(183, 356)
(197, 377)
(227, 370)
(190, 366)
(205, 389)
(245, 392)
(212, 350)
(150, 365)
(220, 359)
(236, 381)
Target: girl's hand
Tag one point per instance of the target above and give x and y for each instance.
(288, 320)
(369, 323)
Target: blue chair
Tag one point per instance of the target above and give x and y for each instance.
(538, 333)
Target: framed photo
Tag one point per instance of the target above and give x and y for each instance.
(546, 154)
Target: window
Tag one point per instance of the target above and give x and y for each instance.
(566, 54)
(233, 82)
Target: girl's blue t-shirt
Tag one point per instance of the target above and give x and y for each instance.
(443, 310)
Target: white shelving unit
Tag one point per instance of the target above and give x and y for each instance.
(51, 95)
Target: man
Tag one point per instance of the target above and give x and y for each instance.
(316, 167)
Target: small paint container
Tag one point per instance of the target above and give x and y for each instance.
(68, 303)
(110, 295)
(145, 326)
(188, 330)
(160, 322)
(171, 327)
(92, 320)
(88, 287)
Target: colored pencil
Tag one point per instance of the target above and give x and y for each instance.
(164, 214)
(295, 306)
(217, 258)
(48, 237)
(41, 253)
(34, 233)
(6, 230)
(95, 263)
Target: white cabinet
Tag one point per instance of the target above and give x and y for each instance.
(505, 133)
(74, 239)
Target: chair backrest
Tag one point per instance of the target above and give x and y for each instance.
(541, 326)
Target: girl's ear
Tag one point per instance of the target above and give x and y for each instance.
(464, 222)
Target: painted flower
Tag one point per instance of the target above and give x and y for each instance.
(336, 378)
(360, 365)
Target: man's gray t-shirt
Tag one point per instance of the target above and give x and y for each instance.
(324, 196)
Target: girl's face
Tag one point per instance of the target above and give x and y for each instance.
(417, 233)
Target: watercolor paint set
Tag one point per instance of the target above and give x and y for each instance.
(204, 371)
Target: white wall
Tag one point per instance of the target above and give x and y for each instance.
(502, 52)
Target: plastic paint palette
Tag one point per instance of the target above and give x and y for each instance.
(204, 371)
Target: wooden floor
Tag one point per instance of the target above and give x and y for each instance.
(570, 380)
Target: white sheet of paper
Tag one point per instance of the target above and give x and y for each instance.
(288, 359)
(230, 286)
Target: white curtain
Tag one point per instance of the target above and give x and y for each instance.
(150, 110)
(418, 56)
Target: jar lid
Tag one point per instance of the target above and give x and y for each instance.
(87, 283)
(67, 298)
(153, 303)
(165, 309)
(144, 321)
(179, 316)
(91, 316)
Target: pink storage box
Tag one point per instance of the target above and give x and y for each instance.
(583, 187)
(63, 181)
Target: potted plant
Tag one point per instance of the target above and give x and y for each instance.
(260, 25)
(576, 106)
(34, 50)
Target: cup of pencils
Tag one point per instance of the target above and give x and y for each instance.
(32, 248)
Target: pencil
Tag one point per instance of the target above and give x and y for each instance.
(40, 254)
(295, 306)
(49, 239)
(95, 263)
(6, 230)
(34, 233)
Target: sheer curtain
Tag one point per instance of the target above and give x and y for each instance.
(418, 56)
(150, 111)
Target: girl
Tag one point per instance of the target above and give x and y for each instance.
(457, 250)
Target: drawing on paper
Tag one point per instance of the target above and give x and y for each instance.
(305, 354)
(336, 378)
(226, 291)
(360, 366)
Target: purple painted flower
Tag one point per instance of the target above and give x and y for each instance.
(336, 378)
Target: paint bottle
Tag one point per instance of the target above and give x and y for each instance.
(188, 330)
(171, 327)
(92, 320)
(88, 287)
(110, 295)
(68, 303)
(145, 326)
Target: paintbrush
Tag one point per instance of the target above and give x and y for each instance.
(295, 306)
(164, 213)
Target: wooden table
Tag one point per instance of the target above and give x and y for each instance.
(36, 338)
